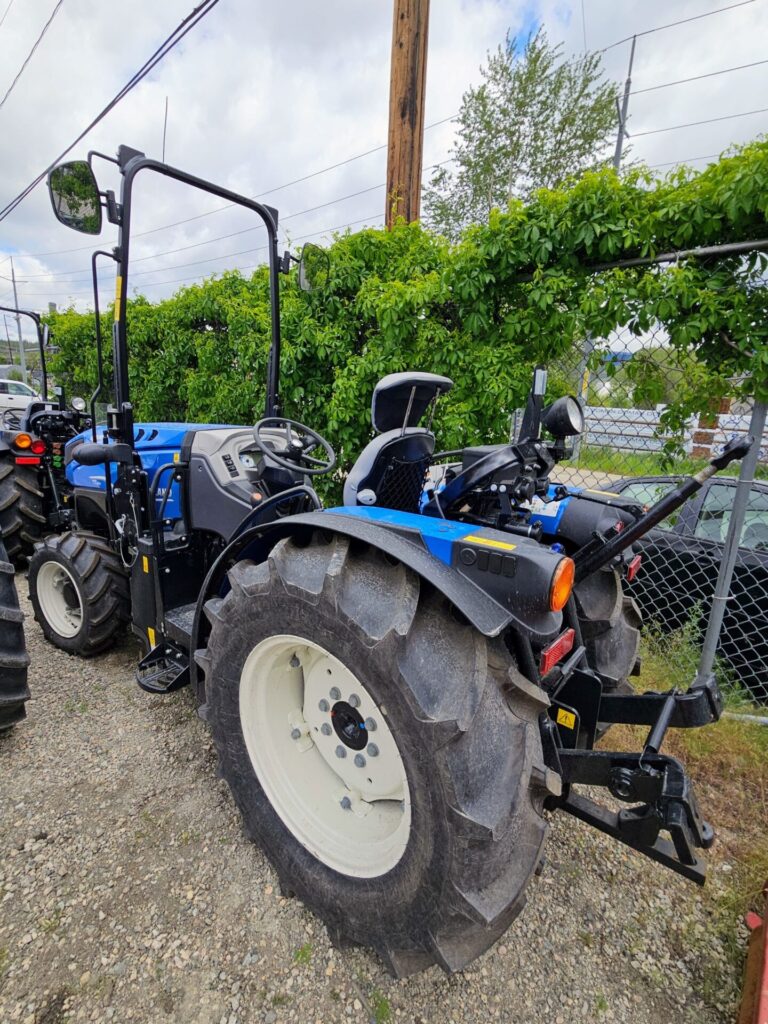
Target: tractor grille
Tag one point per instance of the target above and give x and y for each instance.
(401, 485)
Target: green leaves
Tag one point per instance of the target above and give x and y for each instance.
(512, 293)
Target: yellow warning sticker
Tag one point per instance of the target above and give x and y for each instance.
(603, 494)
(176, 456)
(118, 295)
(145, 563)
(151, 635)
(566, 718)
(489, 542)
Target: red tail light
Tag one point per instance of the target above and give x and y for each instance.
(633, 567)
(37, 447)
(556, 650)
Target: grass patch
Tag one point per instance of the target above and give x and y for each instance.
(303, 955)
(625, 463)
(380, 1008)
(728, 763)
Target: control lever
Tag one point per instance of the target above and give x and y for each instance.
(90, 454)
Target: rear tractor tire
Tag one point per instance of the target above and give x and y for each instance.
(14, 659)
(383, 753)
(21, 509)
(79, 592)
(610, 625)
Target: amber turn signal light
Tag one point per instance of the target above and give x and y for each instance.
(22, 441)
(562, 584)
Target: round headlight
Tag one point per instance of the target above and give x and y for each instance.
(564, 418)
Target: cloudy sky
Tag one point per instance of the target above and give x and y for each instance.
(261, 94)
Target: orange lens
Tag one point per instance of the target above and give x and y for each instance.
(562, 584)
(22, 441)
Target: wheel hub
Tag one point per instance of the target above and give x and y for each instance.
(349, 725)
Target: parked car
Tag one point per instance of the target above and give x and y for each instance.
(15, 396)
(681, 561)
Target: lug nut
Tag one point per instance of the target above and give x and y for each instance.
(354, 700)
(373, 750)
(341, 751)
(370, 724)
(325, 729)
(346, 803)
(324, 705)
(359, 761)
(295, 734)
(335, 693)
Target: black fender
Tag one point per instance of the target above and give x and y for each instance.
(529, 617)
(5, 446)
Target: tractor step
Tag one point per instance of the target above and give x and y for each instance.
(179, 621)
(164, 670)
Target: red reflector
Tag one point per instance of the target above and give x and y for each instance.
(633, 567)
(556, 650)
(38, 447)
(27, 460)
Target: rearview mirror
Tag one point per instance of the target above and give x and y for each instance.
(46, 336)
(314, 268)
(75, 196)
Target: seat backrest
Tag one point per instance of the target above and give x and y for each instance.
(401, 399)
(390, 470)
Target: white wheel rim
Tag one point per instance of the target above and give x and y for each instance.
(59, 599)
(353, 813)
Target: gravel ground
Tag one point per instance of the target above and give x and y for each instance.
(128, 893)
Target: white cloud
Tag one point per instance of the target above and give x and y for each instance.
(261, 94)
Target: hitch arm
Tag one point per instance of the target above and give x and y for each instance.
(601, 550)
(668, 803)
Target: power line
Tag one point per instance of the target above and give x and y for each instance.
(194, 277)
(227, 206)
(29, 56)
(181, 30)
(688, 160)
(2, 20)
(219, 238)
(672, 24)
(693, 124)
(232, 234)
(697, 78)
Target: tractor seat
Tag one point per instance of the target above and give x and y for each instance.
(391, 469)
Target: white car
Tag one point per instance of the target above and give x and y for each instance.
(15, 396)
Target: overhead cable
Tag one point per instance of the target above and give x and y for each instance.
(169, 43)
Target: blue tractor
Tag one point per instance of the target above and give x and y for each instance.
(399, 689)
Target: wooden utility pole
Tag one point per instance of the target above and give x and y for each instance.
(406, 109)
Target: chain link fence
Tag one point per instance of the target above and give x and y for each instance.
(625, 382)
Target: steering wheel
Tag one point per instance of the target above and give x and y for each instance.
(299, 442)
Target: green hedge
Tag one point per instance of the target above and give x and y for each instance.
(515, 292)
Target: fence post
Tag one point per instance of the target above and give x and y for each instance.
(731, 548)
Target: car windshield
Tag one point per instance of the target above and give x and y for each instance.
(715, 517)
(648, 492)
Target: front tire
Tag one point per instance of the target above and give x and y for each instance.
(422, 849)
(79, 592)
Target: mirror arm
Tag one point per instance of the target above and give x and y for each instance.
(286, 260)
(113, 208)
